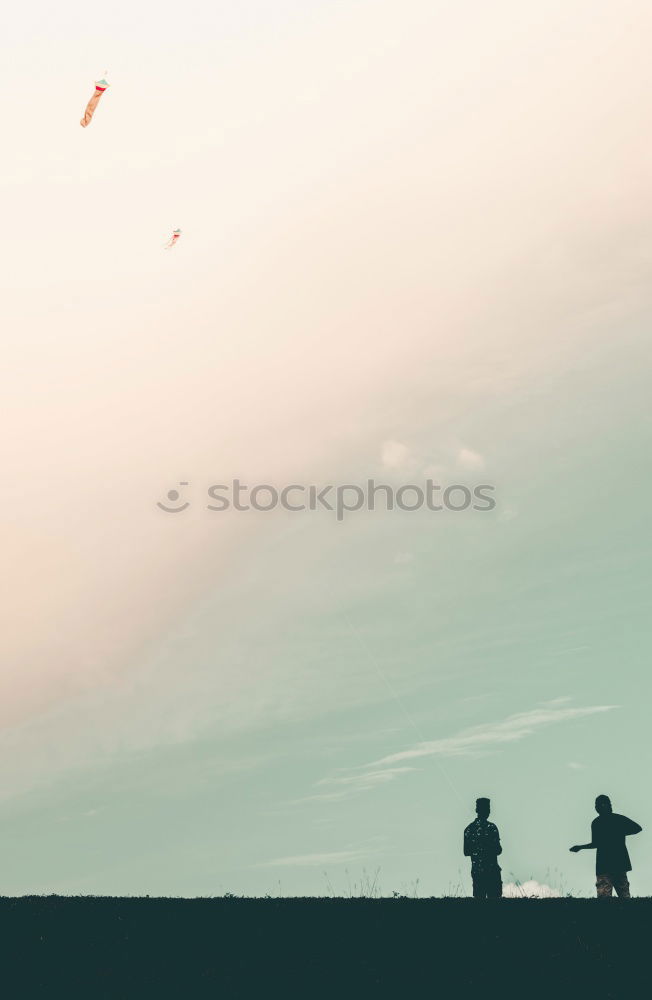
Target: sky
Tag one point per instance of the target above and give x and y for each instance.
(415, 244)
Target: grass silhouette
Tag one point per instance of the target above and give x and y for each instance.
(105, 947)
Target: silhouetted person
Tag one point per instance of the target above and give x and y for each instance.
(608, 832)
(482, 845)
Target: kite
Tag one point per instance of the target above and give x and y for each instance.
(173, 240)
(100, 87)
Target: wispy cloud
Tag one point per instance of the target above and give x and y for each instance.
(469, 459)
(319, 859)
(404, 558)
(480, 740)
(435, 471)
(472, 742)
(337, 788)
(394, 454)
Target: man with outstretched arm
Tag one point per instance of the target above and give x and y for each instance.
(482, 845)
(608, 832)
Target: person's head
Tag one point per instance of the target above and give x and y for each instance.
(603, 805)
(482, 808)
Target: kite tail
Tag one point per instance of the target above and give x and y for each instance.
(92, 104)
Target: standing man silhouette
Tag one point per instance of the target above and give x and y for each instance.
(482, 845)
(608, 832)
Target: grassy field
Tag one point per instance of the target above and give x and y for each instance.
(98, 947)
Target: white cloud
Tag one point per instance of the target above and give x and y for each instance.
(468, 459)
(480, 740)
(531, 889)
(394, 454)
(575, 766)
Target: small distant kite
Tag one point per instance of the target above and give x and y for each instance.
(100, 87)
(174, 239)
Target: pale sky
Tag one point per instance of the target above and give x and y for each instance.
(415, 241)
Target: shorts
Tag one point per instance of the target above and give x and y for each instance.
(605, 884)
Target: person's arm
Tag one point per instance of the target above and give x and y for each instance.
(467, 845)
(586, 847)
(498, 845)
(631, 827)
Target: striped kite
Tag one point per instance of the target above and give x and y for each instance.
(173, 240)
(100, 87)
